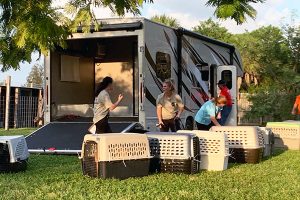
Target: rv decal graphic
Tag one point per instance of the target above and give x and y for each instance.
(156, 80)
(192, 52)
(150, 97)
(216, 53)
(169, 42)
(149, 58)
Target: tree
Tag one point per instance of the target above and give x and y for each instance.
(36, 76)
(213, 29)
(234, 9)
(166, 20)
(34, 25)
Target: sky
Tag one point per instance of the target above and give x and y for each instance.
(189, 13)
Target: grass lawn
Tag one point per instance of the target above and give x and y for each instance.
(17, 131)
(60, 177)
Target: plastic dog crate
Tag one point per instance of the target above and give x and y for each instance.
(268, 141)
(287, 134)
(214, 149)
(245, 143)
(13, 154)
(174, 152)
(115, 155)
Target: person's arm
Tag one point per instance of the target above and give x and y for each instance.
(294, 109)
(212, 113)
(114, 105)
(159, 114)
(214, 120)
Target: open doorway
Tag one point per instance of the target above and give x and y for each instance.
(75, 71)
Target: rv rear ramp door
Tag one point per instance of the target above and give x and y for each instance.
(67, 137)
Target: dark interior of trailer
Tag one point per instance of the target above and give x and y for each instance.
(76, 70)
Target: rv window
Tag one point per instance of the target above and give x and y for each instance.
(205, 75)
(163, 65)
(226, 75)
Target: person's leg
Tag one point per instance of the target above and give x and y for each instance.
(172, 125)
(225, 114)
(107, 126)
(202, 127)
(100, 126)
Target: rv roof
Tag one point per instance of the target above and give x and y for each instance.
(137, 23)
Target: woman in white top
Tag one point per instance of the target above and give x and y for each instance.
(103, 105)
(169, 106)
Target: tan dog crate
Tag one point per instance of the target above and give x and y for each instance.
(287, 134)
(174, 152)
(115, 155)
(214, 149)
(245, 143)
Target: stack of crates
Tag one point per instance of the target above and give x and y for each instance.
(245, 143)
(287, 134)
(174, 152)
(214, 149)
(115, 155)
(268, 141)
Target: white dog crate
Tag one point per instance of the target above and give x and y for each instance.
(214, 149)
(115, 155)
(245, 143)
(287, 134)
(13, 153)
(268, 141)
(174, 152)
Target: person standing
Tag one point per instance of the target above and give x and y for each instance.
(226, 110)
(296, 107)
(169, 107)
(103, 105)
(206, 116)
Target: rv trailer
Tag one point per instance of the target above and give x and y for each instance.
(139, 55)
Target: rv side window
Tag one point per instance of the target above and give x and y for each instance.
(163, 65)
(226, 75)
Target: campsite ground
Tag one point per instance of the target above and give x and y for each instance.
(60, 177)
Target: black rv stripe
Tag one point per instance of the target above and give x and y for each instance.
(228, 63)
(169, 42)
(193, 51)
(156, 80)
(150, 97)
(217, 54)
(149, 58)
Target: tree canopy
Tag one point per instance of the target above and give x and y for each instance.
(166, 20)
(34, 25)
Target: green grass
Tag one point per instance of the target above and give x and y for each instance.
(17, 131)
(60, 177)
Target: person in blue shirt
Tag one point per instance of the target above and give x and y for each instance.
(206, 116)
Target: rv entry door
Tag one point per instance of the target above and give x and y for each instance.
(229, 74)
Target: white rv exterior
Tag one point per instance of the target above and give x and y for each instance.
(138, 54)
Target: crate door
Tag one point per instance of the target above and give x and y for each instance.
(229, 74)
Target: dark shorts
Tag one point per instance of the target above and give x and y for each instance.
(203, 126)
(168, 124)
(102, 126)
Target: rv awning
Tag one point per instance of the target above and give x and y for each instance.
(131, 26)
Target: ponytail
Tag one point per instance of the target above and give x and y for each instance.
(103, 85)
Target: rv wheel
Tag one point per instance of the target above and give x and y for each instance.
(189, 124)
